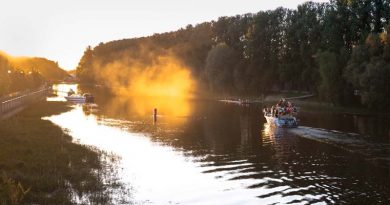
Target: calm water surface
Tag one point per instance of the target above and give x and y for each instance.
(204, 152)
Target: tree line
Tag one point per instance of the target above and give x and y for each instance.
(24, 73)
(339, 50)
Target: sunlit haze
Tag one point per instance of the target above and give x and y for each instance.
(61, 30)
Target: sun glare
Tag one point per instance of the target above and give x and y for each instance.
(142, 106)
(166, 77)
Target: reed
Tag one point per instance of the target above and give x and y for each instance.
(41, 164)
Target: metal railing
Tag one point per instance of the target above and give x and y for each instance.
(11, 104)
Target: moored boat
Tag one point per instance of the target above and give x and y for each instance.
(75, 98)
(86, 98)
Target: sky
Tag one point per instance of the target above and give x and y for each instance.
(60, 30)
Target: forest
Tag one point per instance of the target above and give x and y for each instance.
(339, 50)
(24, 73)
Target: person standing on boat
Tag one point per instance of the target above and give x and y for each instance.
(71, 92)
(288, 108)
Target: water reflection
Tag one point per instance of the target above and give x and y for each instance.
(61, 90)
(128, 106)
(221, 154)
(376, 128)
(170, 110)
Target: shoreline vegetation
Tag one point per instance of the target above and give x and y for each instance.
(305, 100)
(310, 103)
(18, 74)
(39, 163)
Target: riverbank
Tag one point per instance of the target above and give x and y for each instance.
(39, 163)
(307, 101)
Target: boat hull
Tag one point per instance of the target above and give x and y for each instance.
(76, 99)
(289, 122)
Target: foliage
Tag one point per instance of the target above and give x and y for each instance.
(331, 77)
(48, 69)
(86, 73)
(220, 78)
(11, 192)
(12, 80)
(23, 73)
(269, 50)
(368, 71)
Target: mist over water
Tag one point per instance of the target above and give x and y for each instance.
(145, 71)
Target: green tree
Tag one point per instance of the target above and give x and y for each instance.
(85, 69)
(275, 49)
(376, 85)
(330, 88)
(4, 76)
(368, 71)
(219, 69)
(374, 45)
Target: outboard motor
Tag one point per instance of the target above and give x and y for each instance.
(89, 98)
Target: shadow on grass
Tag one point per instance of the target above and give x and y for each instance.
(41, 158)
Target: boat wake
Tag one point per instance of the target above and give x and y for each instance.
(379, 153)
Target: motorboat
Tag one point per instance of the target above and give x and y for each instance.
(75, 98)
(282, 121)
(86, 98)
(283, 114)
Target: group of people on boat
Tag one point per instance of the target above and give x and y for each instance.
(282, 108)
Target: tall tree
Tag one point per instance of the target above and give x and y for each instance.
(330, 88)
(85, 70)
(219, 69)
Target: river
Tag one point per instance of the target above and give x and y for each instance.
(207, 152)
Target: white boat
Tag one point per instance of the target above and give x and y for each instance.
(283, 121)
(76, 98)
(86, 98)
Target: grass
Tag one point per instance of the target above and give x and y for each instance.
(40, 164)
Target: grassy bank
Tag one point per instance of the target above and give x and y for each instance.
(39, 164)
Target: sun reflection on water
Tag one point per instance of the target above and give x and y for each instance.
(159, 174)
(226, 157)
(143, 106)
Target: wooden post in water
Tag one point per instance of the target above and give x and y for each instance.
(155, 115)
